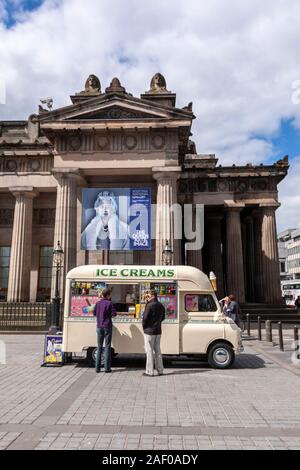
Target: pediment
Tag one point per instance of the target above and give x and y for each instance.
(113, 108)
(116, 112)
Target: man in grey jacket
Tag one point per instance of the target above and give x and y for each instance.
(154, 315)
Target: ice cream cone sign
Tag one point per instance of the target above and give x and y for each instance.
(213, 280)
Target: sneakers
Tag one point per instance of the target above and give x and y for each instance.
(147, 375)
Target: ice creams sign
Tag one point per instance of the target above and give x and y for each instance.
(136, 272)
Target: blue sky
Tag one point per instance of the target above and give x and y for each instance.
(237, 61)
(14, 7)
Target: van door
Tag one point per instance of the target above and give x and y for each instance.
(199, 322)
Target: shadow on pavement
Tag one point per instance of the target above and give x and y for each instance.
(249, 361)
(186, 365)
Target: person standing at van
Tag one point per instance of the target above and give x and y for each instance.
(235, 309)
(154, 315)
(104, 312)
(297, 303)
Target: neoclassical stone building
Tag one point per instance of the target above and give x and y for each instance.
(113, 139)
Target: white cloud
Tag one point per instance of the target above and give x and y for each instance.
(235, 60)
(288, 215)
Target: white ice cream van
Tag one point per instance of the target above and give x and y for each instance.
(194, 324)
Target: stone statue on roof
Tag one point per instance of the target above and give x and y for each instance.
(92, 86)
(158, 83)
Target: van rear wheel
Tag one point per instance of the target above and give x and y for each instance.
(92, 354)
(220, 356)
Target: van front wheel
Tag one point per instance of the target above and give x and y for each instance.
(220, 356)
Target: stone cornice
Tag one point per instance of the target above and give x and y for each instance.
(86, 125)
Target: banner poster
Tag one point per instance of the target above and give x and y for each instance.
(53, 350)
(116, 219)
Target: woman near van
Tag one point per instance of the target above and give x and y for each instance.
(230, 308)
(225, 306)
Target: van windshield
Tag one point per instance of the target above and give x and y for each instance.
(129, 300)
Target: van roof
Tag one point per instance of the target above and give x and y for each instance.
(140, 273)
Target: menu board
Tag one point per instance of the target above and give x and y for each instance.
(166, 294)
(82, 305)
(53, 350)
(169, 302)
(84, 295)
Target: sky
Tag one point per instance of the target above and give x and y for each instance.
(238, 62)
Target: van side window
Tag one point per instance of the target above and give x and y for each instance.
(200, 303)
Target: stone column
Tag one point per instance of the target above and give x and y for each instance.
(250, 258)
(165, 220)
(270, 262)
(65, 221)
(215, 262)
(234, 254)
(258, 283)
(20, 260)
(194, 257)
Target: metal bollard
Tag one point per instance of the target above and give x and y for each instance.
(280, 336)
(296, 339)
(269, 331)
(248, 324)
(259, 327)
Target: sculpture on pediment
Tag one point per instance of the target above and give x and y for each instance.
(115, 86)
(92, 86)
(283, 162)
(158, 83)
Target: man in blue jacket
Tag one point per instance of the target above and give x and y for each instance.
(154, 315)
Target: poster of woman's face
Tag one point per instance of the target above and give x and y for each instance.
(108, 221)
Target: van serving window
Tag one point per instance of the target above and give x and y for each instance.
(200, 303)
(129, 299)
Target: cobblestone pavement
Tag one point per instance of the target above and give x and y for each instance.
(254, 405)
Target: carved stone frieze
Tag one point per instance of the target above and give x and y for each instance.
(116, 142)
(26, 164)
(130, 141)
(239, 185)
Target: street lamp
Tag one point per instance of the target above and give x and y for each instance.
(58, 255)
(167, 254)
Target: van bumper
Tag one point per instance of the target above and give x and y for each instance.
(239, 349)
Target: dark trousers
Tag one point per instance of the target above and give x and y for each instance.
(101, 334)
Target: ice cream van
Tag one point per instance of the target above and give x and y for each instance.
(194, 324)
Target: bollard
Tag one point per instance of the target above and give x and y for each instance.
(296, 339)
(248, 324)
(269, 331)
(280, 336)
(259, 327)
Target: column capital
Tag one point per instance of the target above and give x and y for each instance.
(230, 206)
(69, 173)
(170, 172)
(25, 191)
(269, 206)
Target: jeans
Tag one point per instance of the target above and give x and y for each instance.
(153, 353)
(101, 334)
